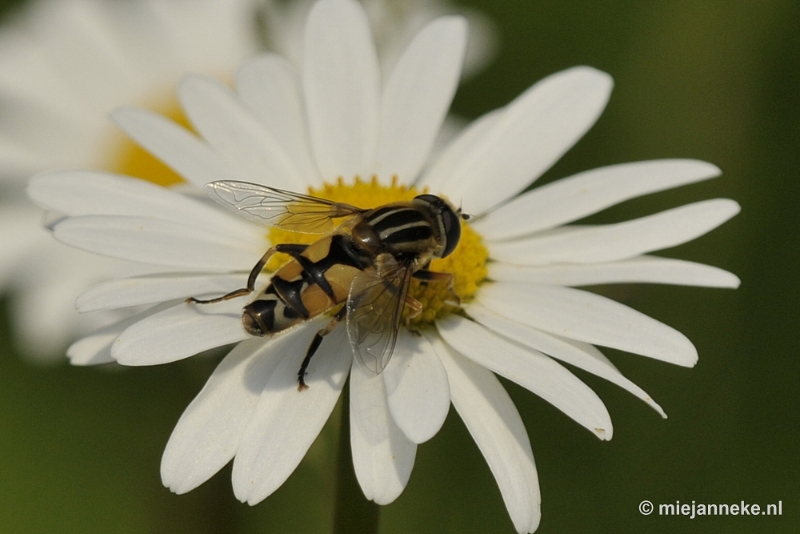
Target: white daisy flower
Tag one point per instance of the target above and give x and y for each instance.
(64, 64)
(333, 130)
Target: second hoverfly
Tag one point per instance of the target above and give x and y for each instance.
(365, 265)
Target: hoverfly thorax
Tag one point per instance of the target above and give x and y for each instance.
(413, 232)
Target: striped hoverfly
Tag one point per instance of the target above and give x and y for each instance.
(364, 265)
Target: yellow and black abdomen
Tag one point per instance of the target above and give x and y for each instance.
(316, 279)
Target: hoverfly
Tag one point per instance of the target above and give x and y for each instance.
(365, 265)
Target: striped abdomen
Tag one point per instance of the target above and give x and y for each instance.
(313, 282)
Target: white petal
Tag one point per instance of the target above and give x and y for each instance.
(158, 242)
(530, 369)
(75, 193)
(535, 130)
(611, 242)
(83, 49)
(417, 97)
(95, 348)
(341, 85)
(197, 34)
(495, 425)
(647, 269)
(235, 133)
(581, 355)
(150, 57)
(416, 388)
(482, 44)
(382, 456)
(45, 283)
(268, 85)
(151, 289)
(283, 27)
(576, 314)
(180, 332)
(286, 421)
(208, 433)
(589, 192)
(179, 149)
(452, 127)
(451, 155)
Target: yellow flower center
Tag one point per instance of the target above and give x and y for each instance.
(467, 263)
(132, 160)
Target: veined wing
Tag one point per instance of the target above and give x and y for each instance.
(276, 207)
(374, 310)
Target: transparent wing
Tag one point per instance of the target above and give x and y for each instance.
(374, 311)
(279, 208)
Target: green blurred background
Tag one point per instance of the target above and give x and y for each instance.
(715, 80)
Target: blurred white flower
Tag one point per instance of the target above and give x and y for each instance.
(320, 130)
(394, 24)
(64, 64)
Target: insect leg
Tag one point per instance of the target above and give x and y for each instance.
(251, 279)
(423, 280)
(315, 343)
(416, 309)
(432, 276)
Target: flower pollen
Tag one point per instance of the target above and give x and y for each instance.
(467, 263)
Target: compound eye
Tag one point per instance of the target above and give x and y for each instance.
(450, 219)
(452, 229)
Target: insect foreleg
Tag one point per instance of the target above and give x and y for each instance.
(433, 276)
(315, 343)
(251, 279)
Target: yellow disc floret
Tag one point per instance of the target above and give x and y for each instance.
(467, 263)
